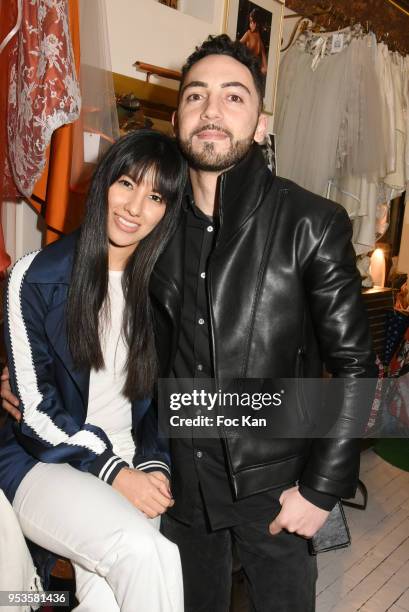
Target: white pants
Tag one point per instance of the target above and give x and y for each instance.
(121, 560)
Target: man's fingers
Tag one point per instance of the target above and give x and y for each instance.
(8, 398)
(15, 413)
(285, 494)
(274, 527)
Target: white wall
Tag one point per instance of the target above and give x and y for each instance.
(150, 32)
(288, 26)
(22, 233)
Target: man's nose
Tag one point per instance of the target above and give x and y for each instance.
(212, 108)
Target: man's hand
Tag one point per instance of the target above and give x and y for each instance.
(10, 402)
(298, 515)
(146, 491)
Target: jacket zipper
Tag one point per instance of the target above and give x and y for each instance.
(299, 372)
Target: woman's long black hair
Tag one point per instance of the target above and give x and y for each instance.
(138, 154)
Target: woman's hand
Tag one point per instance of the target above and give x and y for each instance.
(149, 492)
(10, 402)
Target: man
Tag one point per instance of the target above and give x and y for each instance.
(258, 281)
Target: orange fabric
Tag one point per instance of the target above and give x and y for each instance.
(8, 17)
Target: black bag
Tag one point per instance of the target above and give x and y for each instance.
(333, 534)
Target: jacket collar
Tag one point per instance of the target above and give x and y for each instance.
(241, 191)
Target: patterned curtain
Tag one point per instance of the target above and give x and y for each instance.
(43, 91)
(39, 79)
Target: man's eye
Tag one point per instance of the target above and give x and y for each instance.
(235, 98)
(156, 198)
(193, 97)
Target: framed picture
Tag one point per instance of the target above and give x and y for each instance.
(258, 25)
(269, 151)
(171, 3)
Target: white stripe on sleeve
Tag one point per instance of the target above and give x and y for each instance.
(26, 376)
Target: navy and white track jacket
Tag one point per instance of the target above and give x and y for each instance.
(53, 394)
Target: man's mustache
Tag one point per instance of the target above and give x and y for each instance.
(211, 126)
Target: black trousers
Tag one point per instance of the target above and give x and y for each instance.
(280, 573)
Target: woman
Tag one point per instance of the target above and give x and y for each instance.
(253, 41)
(82, 360)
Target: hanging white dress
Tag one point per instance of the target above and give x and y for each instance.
(397, 178)
(329, 121)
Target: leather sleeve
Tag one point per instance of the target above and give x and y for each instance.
(340, 321)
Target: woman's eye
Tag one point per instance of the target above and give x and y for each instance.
(156, 198)
(125, 183)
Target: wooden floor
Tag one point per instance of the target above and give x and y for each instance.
(373, 574)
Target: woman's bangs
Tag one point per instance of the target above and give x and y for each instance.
(162, 174)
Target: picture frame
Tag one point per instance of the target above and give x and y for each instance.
(268, 148)
(171, 3)
(265, 32)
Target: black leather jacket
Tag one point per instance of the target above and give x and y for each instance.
(284, 298)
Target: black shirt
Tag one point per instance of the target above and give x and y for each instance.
(199, 464)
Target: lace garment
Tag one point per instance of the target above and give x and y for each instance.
(43, 88)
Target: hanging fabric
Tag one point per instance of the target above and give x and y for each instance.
(342, 124)
(328, 119)
(43, 88)
(98, 126)
(397, 178)
(5, 41)
(8, 21)
(76, 148)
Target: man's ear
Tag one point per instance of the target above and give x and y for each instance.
(175, 121)
(261, 129)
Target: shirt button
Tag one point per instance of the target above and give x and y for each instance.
(201, 321)
(199, 454)
(203, 275)
(210, 228)
(200, 367)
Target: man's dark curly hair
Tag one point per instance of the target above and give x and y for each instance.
(223, 45)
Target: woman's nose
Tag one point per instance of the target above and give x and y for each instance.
(134, 206)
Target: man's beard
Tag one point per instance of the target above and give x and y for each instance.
(207, 159)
